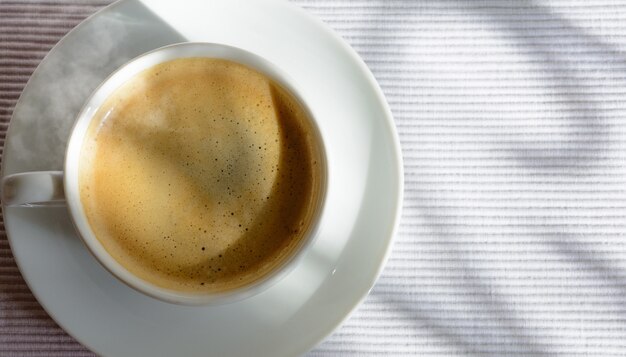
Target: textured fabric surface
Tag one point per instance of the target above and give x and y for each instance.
(513, 131)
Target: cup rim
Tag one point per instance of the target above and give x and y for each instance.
(95, 101)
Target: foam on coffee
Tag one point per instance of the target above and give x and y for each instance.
(200, 174)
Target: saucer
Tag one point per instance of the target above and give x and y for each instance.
(364, 189)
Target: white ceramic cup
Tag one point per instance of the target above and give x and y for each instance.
(43, 188)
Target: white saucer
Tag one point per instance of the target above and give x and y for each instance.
(365, 191)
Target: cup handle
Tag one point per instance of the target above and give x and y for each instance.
(33, 189)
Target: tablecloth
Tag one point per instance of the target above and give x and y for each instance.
(512, 121)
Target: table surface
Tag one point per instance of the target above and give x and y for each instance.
(512, 125)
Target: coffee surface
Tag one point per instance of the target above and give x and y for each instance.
(200, 175)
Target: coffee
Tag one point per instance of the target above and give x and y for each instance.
(200, 175)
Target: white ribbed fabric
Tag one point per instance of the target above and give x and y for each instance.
(512, 119)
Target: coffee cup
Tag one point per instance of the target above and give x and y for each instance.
(195, 174)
